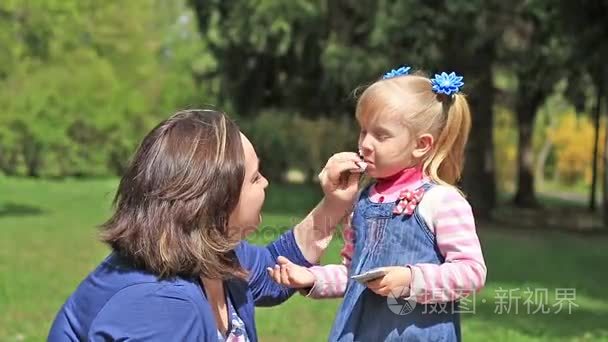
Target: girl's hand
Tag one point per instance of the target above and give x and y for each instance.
(395, 282)
(340, 178)
(291, 275)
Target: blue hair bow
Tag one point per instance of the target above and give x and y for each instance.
(447, 83)
(404, 70)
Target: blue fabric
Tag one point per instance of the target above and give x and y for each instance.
(385, 239)
(118, 302)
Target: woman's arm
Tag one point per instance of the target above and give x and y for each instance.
(315, 232)
(328, 281)
(257, 259)
(331, 280)
(340, 182)
(304, 244)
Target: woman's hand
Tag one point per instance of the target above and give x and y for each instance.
(340, 179)
(291, 275)
(395, 282)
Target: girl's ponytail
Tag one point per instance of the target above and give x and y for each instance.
(446, 161)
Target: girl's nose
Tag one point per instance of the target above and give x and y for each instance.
(365, 146)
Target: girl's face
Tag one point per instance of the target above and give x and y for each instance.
(386, 144)
(246, 217)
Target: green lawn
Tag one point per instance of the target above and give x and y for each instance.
(47, 245)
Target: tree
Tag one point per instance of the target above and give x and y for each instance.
(472, 49)
(80, 82)
(534, 49)
(309, 56)
(437, 38)
(266, 53)
(585, 27)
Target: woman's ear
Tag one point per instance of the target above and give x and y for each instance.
(424, 144)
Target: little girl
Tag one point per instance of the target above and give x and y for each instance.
(412, 222)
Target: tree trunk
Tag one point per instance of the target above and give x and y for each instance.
(527, 107)
(605, 192)
(30, 149)
(3, 161)
(478, 179)
(32, 155)
(543, 155)
(596, 142)
(545, 150)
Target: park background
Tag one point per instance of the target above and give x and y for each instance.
(82, 81)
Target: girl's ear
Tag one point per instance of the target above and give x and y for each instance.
(424, 144)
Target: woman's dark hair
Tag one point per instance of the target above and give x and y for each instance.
(174, 201)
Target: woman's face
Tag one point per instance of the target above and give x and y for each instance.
(246, 217)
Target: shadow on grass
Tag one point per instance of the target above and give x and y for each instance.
(554, 213)
(14, 209)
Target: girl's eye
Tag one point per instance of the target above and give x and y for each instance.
(381, 135)
(257, 178)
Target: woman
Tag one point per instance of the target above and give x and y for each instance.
(179, 268)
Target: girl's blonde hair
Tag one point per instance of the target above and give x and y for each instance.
(446, 118)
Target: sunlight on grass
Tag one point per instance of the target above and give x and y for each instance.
(48, 244)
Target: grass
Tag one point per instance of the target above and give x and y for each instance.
(48, 244)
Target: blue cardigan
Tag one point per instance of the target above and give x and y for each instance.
(117, 302)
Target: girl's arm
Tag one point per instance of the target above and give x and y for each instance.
(463, 271)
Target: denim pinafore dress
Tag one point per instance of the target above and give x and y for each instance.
(383, 238)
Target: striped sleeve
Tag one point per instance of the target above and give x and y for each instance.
(331, 280)
(463, 271)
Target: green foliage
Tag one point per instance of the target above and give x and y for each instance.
(573, 140)
(505, 148)
(291, 141)
(81, 82)
(266, 53)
